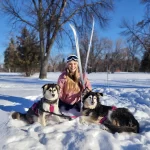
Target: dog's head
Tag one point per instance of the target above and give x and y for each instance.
(51, 91)
(91, 99)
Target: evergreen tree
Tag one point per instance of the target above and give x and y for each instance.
(27, 52)
(145, 63)
(10, 57)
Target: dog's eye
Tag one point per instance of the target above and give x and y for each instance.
(90, 97)
(54, 90)
(50, 90)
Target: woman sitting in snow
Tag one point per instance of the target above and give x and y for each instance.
(70, 85)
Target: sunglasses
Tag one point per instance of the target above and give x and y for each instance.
(72, 57)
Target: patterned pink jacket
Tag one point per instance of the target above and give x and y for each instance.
(72, 97)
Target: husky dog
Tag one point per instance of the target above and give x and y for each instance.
(43, 108)
(114, 119)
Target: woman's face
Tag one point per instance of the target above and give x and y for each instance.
(72, 66)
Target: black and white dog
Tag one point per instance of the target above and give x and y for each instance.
(43, 108)
(114, 119)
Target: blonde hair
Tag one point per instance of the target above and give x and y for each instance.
(72, 83)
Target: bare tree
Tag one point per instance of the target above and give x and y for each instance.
(98, 48)
(134, 32)
(115, 56)
(146, 18)
(139, 33)
(54, 62)
(49, 17)
(133, 51)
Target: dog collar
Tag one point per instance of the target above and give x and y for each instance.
(102, 120)
(114, 108)
(48, 101)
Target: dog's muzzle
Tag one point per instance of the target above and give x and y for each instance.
(92, 102)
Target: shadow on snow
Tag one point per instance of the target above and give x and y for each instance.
(22, 103)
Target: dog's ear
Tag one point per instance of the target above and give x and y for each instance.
(44, 87)
(85, 91)
(99, 94)
(58, 87)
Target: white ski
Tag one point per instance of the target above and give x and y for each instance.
(78, 53)
(88, 52)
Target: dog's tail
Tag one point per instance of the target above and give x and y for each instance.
(119, 129)
(19, 116)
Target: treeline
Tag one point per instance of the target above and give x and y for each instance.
(50, 20)
(23, 55)
(31, 51)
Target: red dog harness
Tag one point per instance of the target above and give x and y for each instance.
(104, 118)
(36, 106)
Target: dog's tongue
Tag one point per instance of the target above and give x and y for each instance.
(51, 108)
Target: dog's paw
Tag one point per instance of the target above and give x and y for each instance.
(58, 119)
(103, 127)
(43, 124)
(82, 120)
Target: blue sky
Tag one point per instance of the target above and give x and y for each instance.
(128, 9)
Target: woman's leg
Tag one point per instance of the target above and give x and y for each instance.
(77, 106)
(67, 106)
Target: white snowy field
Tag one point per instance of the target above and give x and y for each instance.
(18, 93)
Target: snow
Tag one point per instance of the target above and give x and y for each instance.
(18, 93)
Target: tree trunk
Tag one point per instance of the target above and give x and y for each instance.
(43, 69)
(46, 54)
(44, 63)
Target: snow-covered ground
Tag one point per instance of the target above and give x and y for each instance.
(18, 93)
